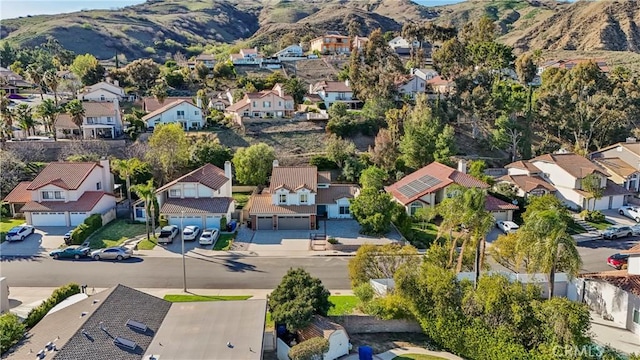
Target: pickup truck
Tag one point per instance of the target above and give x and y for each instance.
(167, 234)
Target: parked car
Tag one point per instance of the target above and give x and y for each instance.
(190, 232)
(507, 226)
(19, 233)
(617, 260)
(636, 229)
(209, 236)
(630, 212)
(614, 232)
(67, 237)
(75, 252)
(112, 253)
(167, 234)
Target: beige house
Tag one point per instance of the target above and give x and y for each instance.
(331, 43)
(622, 161)
(265, 104)
(101, 120)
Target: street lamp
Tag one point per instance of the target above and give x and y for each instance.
(184, 267)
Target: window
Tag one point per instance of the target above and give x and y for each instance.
(283, 198)
(266, 104)
(254, 104)
(196, 112)
(636, 316)
(180, 114)
(109, 119)
(279, 103)
(175, 193)
(98, 186)
(92, 120)
(50, 195)
(102, 98)
(414, 207)
(344, 210)
(304, 197)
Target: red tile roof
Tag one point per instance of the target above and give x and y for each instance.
(150, 103)
(261, 204)
(324, 177)
(524, 165)
(19, 194)
(494, 204)
(167, 107)
(619, 278)
(216, 205)
(336, 191)
(85, 203)
(99, 108)
(576, 165)
(331, 86)
(66, 175)
(612, 189)
(208, 175)
(429, 179)
(617, 166)
(528, 183)
(293, 178)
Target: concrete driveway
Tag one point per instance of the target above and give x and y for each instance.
(617, 219)
(280, 240)
(348, 232)
(595, 253)
(41, 242)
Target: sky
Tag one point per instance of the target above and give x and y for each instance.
(14, 8)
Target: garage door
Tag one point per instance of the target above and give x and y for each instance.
(187, 220)
(77, 218)
(48, 219)
(213, 222)
(500, 215)
(293, 223)
(265, 223)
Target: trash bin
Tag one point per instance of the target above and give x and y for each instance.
(365, 353)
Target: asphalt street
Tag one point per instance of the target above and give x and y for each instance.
(155, 272)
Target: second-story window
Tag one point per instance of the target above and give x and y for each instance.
(51, 195)
(283, 198)
(180, 114)
(174, 193)
(109, 119)
(304, 198)
(98, 186)
(266, 104)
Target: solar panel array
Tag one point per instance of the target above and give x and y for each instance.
(418, 186)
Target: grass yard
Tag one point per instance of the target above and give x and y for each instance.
(343, 304)
(7, 224)
(241, 199)
(193, 298)
(148, 244)
(574, 228)
(269, 323)
(224, 242)
(423, 234)
(600, 225)
(417, 357)
(115, 233)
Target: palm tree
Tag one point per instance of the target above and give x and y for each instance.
(49, 111)
(52, 81)
(546, 242)
(125, 169)
(76, 111)
(34, 73)
(24, 115)
(7, 116)
(147, 192)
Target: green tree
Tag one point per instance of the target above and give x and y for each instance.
(296, 88)
(36, 75)
(339, 150)
(208, 151)
(24, 116)
(48, 111)
(11, 331)
(76, 111)
(253, 164)
(311, 349)
(592, 184)
(125, 169)
(143, 73)
(380, 262)
(373, 177)
(52, 81)
(147, 192)
(297, 298)
(169, 149)
(373, 210)
(546, 202)
(86, 67)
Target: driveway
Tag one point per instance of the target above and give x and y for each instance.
(595, 253)
(617, 219)
(41, 242)
(348, 233)
(280, 240)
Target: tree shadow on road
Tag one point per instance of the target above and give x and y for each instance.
(232, 263)
(609, 244)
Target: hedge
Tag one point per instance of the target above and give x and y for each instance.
(311, 349)
(58, 295)
(11, 331)
(84, 230)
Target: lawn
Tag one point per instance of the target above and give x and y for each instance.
(192, 298)
(241, 199)
(343, 304)
(115, 233)
(148, 244)
(423, 234)
(600, 225)
(417, 357)
(224, 242)
(574, 228)
(6, 225)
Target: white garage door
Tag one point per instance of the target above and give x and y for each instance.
(48, 219)
(500, 215)
(213, 222)
(265, 223)
(187, 220)
(293, 223)
(77, 218)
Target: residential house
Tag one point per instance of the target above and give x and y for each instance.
(102, 91)
(207, 60)
(527, 179)
(403, 46)
(429, 185)
(424, 74)
(219, 101)
(11, 79)
(359, 42)
(291, 52)
(201, 197)
(65, 193)
(296, 196)
(622, 161)
(179, 111)
(124, 323)
(438, 85)
(565, 173)
(410, 86)
(333, 91)
(246, 57)
(331, 43)
(335, 334)
(151, 104)
(265, 104)
(566, 65)
(102, 119)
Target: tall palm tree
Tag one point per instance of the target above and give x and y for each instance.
(24, 115)
(147, 192)
(35, 74)
(49, 111)
(125, 169)
(76, 111)
(546, 242)
(7, 116)
(52, 81)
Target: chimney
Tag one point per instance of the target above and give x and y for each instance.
(310, 88)
(346, 82)
(116, 82)
(229, 174)
(199, 102)
(631, 140)
(462, 166)
(275, 163)
(229, 96)
(107, 176)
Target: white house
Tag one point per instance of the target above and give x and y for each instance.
(565, 172)
(66, 193)
(425, 74)
(102, 119)
(102, 91)
(622, 161)
(179, 111)
(201, 197)
(291, 52)
(334, 333)
(246, 57)
(411, 86)
(334, 91)
(296, 196)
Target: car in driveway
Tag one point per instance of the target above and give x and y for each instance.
(112, 253)
(507, 226)
(71, 252)
(190, 233)
(167, 234)
(636, 229)
(67, 237)
(19, 233)
(209, 236)
(632, 212)
(616, 232)
(617, 260)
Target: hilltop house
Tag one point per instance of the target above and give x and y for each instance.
(201, 197)
(246, 57)
(66, 193)
(151, 104)
(410, 86)
(429, 185)
(265, 104)
(563, 174)
(102, 91)
(291, 52)
(296, 196)
(179, 111)
(622, 162)
(101, 120)
(331, 43)
(402, 46)
(330, 92)
(359, 42)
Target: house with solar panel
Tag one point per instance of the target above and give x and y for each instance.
(428, 186)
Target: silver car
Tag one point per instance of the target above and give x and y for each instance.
(112, 253)
(615, 232)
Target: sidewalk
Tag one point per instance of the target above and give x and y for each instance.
(199, 253)
(588, 236)
(608, 333)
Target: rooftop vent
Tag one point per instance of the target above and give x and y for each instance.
(136, 325)
(83, 313)
(153, 357)
(125, 343)
(631, 140)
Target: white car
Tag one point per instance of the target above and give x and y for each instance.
(636, 229)
(507, 226)
(209, 236)
(19, 233)
(190, 232)
(630, 212)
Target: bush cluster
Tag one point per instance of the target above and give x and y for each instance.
(11, 331)
(58, 295)
(593, 216)
(311, 349)
(84, 230)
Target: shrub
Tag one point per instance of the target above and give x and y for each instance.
(323, 163)
(163, 222)
(84, 230)
(333, 241)
(58, 295)
(11, 331)
(389, 307)
(311, 349)
(592, 216)
(364, 292)
(223, 223)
